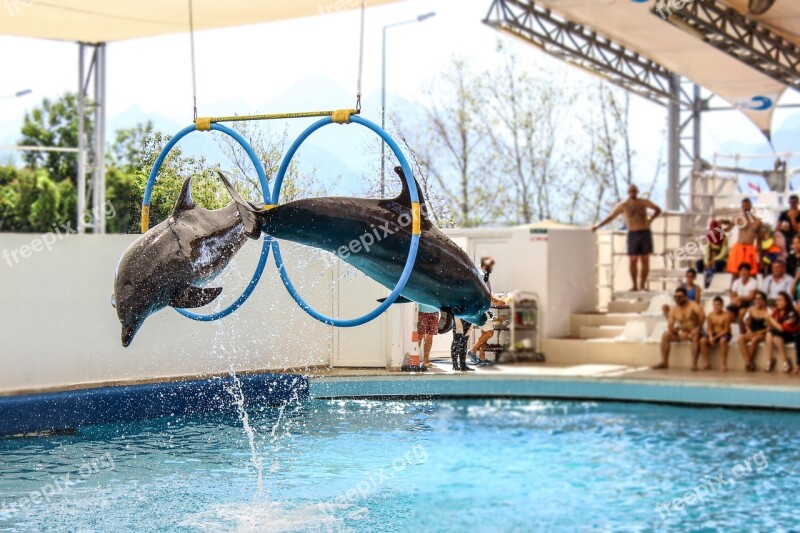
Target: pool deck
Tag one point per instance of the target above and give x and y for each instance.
(588, 381)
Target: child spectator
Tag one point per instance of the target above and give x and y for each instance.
(691, 288)
(719, 334)
(715, 257)
(743, 291)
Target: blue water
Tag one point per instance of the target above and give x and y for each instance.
(361, 465)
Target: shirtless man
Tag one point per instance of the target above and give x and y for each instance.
(640, 238)
(748, 242)
(689, 318)
(719, 334)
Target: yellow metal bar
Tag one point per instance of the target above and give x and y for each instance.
(276, 116)
(145, 225)
(415, 219)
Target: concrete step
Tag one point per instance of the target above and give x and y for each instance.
(636, 354)
(597, 319)
(600, 332)
(627, 306)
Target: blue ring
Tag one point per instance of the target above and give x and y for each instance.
(412, 252)
(262, 178)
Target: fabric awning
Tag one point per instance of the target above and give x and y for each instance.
(95, 21)
(631, 24)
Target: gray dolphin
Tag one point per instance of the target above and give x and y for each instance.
(374, 236)
(170, 263)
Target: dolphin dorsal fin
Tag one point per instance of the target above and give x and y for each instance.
(404, 197)
(184, 198)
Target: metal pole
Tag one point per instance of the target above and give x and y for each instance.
(674, 145)
(81, 143)
(383, 112)
(100, 139)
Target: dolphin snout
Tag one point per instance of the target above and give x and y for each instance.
(128, 332)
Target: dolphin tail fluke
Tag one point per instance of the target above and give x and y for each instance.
(248, 212)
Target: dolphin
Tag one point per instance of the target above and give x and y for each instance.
(374, 236)
(171, 263)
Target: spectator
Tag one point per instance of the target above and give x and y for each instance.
(716, 253)
(789, 220)
(783, 326)
(427, 327)
(640, 238)
(743, 291)
(755, 330)
(478, 352)
(719, 334)
(747, 247)
(773, 247)
(691, 288)
(793, 258)
(684, 323)
(777, 283)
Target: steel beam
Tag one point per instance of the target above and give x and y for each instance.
(582, 47)
(91, 183)
(734, 34)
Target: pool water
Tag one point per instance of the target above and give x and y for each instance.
(444, 465)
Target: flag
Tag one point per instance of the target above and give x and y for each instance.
(753, 187)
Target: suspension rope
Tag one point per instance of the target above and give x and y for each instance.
(191, 45)
(360, 56)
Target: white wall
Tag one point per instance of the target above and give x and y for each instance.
(58, 328)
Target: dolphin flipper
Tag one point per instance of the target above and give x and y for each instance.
(399, 300)
(248, 212)
(195, 297)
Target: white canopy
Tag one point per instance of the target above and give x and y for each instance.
(95, 21)
(631, 24)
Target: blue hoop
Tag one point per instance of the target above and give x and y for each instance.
(262, 178)
(412, 253)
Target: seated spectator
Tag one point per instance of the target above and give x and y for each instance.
(773, 248)
(778, 282)
(719, 334)
(691, 288)
(755, 330)
(792, 261)
(743, 291)
(684, 323)
(715, 257)
(782, 325)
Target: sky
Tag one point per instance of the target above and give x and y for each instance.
(246, 66)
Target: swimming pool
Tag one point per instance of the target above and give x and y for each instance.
(438, 465)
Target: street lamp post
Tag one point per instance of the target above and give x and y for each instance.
(17, 94)
(419, 18)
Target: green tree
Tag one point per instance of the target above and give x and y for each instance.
(54, 124)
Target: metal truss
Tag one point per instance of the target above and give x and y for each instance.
(742, 38)
(582, 47)
(91, 151)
